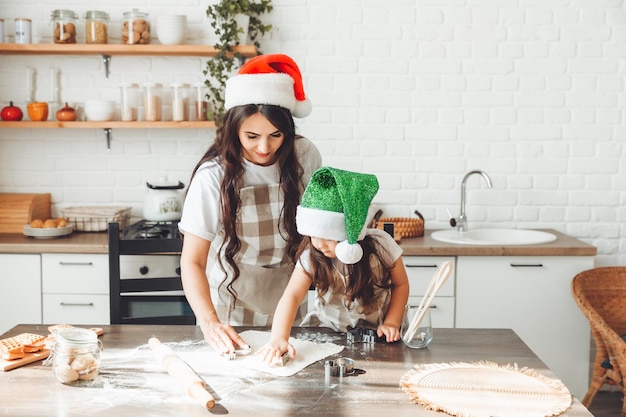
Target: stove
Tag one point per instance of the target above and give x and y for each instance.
(145, 229)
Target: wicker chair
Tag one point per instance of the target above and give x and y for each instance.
(601, 295)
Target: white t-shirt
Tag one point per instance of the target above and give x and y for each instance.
(202, 214)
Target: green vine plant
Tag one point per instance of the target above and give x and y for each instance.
(221, 67)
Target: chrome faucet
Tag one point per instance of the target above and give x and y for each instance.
(461, 222)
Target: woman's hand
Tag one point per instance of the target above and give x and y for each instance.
(274, 349)
(391, 332)
(222, 337)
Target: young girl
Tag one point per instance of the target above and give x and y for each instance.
(242, 200)
(359, 278)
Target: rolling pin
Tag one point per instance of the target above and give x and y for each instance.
(180, 370)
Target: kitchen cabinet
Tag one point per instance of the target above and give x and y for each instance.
(532, 296)
(20, 298)
(75, 288)
(107, 51)
(420, 270)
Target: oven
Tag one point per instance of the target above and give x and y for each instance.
(144, 274)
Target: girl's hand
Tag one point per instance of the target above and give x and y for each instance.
(274, 349)
(222, 337)
(392, 333)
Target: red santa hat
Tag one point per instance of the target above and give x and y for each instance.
(269, 79)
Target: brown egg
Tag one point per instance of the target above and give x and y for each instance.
(37, 223)
(61, 222)
(50, 224)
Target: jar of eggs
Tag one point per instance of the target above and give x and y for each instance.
(135, 28)
(64, 26)
(76, 355)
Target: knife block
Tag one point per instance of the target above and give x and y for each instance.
(18, 210)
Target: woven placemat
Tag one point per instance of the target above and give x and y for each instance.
(485, 389)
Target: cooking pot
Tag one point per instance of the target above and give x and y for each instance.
(163, 201)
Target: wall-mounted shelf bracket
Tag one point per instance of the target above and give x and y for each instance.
(107, 134)
(107, 63)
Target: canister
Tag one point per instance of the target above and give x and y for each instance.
(130, 101)
(179, 102)
(64, 26)
(135, 28)
(23, 30)
(76, 355)
(96, 27)
(152, 101)
(201, 102)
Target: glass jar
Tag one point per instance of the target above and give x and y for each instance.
(152, 101)
(135, 28)
(96, 27)
(76, 355)
(130, 102)
(180, 102)
(202, 104)
(64, 23)
(23, 30)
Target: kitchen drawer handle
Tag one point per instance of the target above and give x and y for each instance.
(527, 265)
(420, 266)
(75, 263)
(76, 304)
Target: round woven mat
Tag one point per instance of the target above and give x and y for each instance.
(485, 389)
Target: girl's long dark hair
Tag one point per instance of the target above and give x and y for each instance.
(362, 282)
(228, 152)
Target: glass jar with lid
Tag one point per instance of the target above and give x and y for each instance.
(76, 355)
(64, 26)
(152, 101)
(96, 27)
(130, 102)
(201, 102)
(135, 28)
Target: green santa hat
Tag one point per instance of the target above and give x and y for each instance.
(334, 206)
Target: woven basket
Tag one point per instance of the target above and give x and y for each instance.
(402, 226)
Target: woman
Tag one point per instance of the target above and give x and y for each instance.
(239, 214)
(357, 272)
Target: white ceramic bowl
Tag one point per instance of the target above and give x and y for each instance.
(99, 110)
(171, 30)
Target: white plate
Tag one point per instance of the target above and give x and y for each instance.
(47, 233)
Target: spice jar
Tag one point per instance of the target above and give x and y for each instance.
(96, 27)
(135, 28)
(202, 105)
(23, 32)
(64, 22)
(76, 355)
(152, 101)
(179, 103)
(130, 102)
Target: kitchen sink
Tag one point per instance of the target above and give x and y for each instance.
(494, 237)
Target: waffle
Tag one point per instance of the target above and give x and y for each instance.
(11, 348)
(32, 342)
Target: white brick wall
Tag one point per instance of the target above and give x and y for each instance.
(529, 91)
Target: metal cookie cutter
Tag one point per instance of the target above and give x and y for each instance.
(242, 352)
(340, 367)
(361, 334)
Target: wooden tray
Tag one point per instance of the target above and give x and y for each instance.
(28, 358)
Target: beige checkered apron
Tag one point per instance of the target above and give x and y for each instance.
(333, 311)
(264, 265)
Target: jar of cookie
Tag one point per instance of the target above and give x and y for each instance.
(135, 28)
(64, 26)
(76, 355)
(96, 27)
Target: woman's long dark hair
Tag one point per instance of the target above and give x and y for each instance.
(227, 151)
(362, 282)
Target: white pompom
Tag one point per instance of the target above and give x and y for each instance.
(347, 253)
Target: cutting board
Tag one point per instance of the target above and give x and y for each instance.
(28, 358)
(17, 210)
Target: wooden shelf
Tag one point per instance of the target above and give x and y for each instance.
(110, 49)
(106, 125)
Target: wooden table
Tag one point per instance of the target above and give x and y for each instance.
(32, 390)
